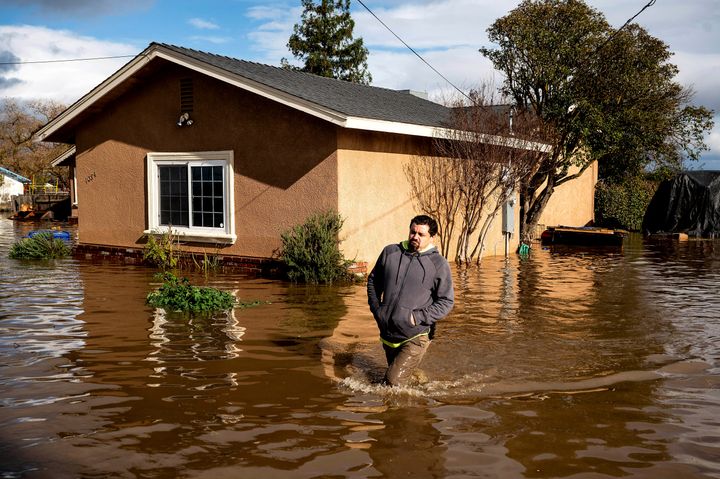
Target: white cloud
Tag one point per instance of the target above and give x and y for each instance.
(265, 12)
(446, 34)
(203, 24)
(61, 81)
(85, 8)
(270, 37)
(701, 72)
(438, 24)
(713, 140)
(463, 66)
(211, 39)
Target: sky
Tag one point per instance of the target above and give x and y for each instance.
(446, 33)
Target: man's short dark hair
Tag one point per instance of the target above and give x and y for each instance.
(425, 220)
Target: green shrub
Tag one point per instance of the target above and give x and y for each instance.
(623, 205)
(40, 246)
(161, 250)
(311, 251)
(177, 294)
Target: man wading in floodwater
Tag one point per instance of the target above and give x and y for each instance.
(409, 289)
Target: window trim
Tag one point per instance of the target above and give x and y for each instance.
(200, 234)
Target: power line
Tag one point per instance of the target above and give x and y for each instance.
(66, 61)
(412, 50)
(582, 63)
(609, 39)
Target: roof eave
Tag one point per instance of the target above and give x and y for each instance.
(65, 156)
(15, 176)
(384, 126)
(77, 108)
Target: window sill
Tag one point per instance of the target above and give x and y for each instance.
(198, 236)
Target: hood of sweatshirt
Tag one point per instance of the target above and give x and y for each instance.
(405, 245)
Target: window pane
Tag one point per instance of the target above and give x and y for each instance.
(173, 195)
(178, 218)
(207, 196)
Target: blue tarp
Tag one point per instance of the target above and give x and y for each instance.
(63, 235)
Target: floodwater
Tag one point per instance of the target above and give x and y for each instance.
(565, 364)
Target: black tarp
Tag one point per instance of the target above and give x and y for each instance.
(688, 203)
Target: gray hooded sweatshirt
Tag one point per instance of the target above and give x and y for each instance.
(404, 282)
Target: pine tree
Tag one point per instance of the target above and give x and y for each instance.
(323, 41)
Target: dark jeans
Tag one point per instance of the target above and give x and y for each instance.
(403, 360)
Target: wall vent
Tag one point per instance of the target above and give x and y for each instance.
(186, 95)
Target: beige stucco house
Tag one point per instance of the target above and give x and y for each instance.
(11, 184)
(232, 153)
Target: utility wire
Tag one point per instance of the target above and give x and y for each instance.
(412, 50)
(584, 62)
(65, 61)
(648, 5)
(609, 39)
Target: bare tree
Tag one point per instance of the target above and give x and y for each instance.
(19, 120)
(434, 181)
(475, 166)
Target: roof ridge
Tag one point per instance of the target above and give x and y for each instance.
(343, 103)
(279, 68)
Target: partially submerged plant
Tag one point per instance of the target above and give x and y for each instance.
(161, 250)
(311, 251)
(40, 246)
(177, 294)
(207, 263)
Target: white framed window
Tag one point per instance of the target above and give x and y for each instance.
(192, 193)
(73, 173)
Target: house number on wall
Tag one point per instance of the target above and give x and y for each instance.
(90, 177)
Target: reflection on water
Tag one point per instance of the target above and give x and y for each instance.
(566, 363)
(179, 339)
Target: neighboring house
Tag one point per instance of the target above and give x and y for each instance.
(11, 184)
(232, 153)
